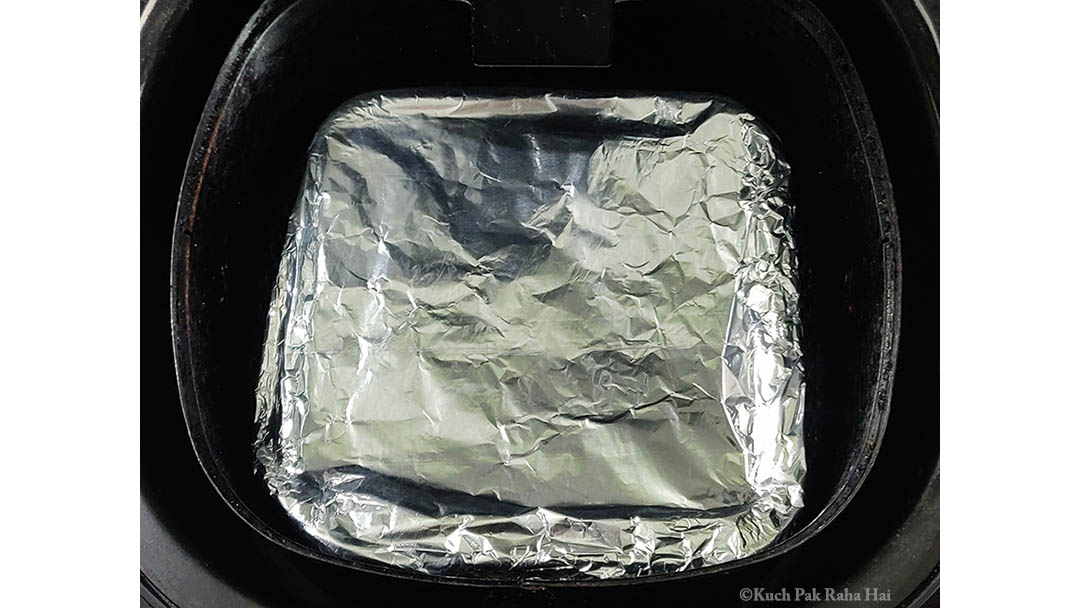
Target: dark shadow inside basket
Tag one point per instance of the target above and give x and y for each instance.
(298, 61)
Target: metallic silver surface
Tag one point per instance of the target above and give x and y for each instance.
(551, 334)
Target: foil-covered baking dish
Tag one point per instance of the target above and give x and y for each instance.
(555, 334)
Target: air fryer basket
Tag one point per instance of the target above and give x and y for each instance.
(297, 61)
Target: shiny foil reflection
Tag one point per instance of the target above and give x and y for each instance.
(553, 334)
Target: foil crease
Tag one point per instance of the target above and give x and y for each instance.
(550, 335)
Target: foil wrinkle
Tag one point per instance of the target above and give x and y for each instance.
(553, 335)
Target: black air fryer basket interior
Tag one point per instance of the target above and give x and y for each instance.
(296, 61)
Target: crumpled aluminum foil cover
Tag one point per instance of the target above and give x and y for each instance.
(553, 335)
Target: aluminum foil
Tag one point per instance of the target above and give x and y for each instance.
(554, 335)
